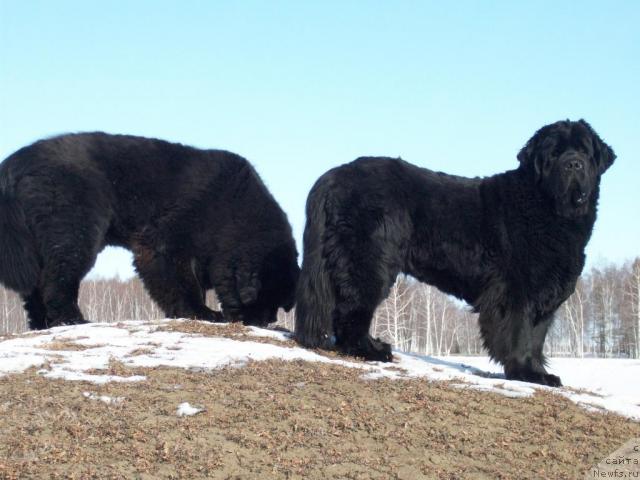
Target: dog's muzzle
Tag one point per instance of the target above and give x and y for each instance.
(579, 198)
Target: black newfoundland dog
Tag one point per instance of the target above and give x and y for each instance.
(511, 245)
(194, 220)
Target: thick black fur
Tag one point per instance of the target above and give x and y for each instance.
(194, 220)
(511, 245)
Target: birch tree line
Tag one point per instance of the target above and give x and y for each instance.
(601, 318)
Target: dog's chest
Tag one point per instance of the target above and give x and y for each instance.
(550, 283)
(545, 265)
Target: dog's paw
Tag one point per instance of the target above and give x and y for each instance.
(533, 376)
(67, 321)
(552, 380)
(370, 349)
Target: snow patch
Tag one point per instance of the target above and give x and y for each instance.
(185, 409)
(84, 353)
(103, 398)
(275, 334)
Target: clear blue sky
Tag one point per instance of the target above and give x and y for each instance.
(299, 87)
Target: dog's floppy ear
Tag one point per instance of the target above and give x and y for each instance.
(248, 286)
(531, 155)
(602, 153)
(524, 155)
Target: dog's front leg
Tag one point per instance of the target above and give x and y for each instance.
(515, 340)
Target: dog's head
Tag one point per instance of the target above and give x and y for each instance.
(566, 160)
(263, 289)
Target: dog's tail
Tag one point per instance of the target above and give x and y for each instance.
(315, 295)
(19, 268)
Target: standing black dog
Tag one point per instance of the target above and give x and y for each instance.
(194, 219)
(512, 245)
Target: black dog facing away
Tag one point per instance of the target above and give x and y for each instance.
(194, 220)
(511, 245)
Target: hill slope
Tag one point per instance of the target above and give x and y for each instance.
(102, 401)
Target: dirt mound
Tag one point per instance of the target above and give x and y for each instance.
(292, 420)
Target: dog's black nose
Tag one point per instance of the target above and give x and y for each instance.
(574, 164)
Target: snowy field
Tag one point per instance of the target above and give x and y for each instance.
(597, 383)
(76, 352)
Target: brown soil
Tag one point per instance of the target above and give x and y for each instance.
(292, 420)
(235, 331)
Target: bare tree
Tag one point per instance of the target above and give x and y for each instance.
(632, 301)
(601, 318)
(12, 316)
(391, 319)
(574, 311)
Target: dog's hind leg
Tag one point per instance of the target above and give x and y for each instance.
(362, 272)
(172, 283)
(36, 310)
(60, 286)
(356, 302)
(69, 249)
(68, 215)
(351, 324)
(64, 267)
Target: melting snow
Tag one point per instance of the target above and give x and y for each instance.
(185, 409)
(103, 398)
(83, 352)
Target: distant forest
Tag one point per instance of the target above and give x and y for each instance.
(601, 319)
